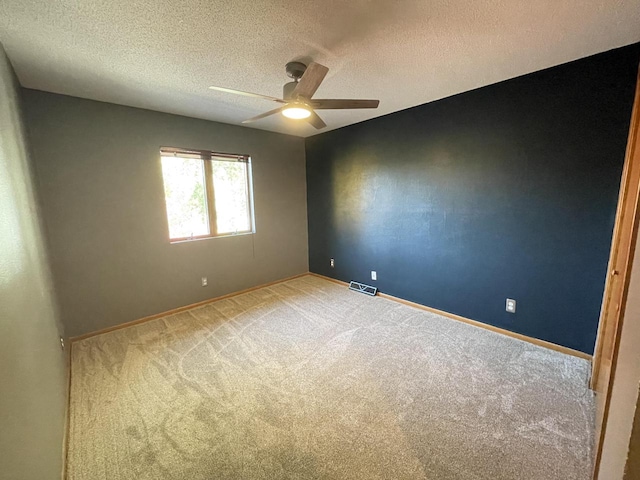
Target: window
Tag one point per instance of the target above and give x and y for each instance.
(207, 194)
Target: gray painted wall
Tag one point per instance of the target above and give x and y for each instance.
(101, 185)
(32, 365)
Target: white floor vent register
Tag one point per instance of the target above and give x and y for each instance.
(362, 288)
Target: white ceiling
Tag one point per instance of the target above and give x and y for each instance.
(163, 55)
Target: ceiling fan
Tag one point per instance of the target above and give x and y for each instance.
(296, 98)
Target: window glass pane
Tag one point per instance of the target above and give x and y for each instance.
(232, 198)
(184, 191)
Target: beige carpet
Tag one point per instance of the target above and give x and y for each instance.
(307, 380)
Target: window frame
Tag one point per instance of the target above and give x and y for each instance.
(208, 157)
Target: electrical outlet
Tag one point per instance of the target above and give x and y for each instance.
(511, 305)
(204, 281)
(332, 262)
(374, 275)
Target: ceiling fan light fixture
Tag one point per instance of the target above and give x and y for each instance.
(296, 111)
(296, 101)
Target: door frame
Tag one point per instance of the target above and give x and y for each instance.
(626, 195)
(625, 236)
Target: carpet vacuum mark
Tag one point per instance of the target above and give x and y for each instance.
(308, 380)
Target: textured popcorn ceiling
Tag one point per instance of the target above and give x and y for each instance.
(162, 55)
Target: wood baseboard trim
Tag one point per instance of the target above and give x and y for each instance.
(475, 323)
(178, 310)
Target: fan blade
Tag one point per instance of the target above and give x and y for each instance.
(316, 121)
(336, 104)
(310, 81)
(263, 115)
(247, 94)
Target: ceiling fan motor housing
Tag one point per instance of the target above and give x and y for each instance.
(294, 70)
(288, 89)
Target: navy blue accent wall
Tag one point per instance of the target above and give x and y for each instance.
(505, 191)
